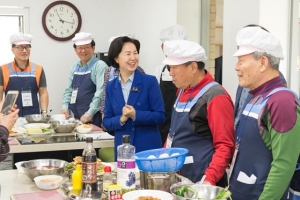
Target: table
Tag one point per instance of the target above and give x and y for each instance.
(19, 148)
(13, 182)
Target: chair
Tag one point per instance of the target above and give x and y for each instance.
(107, 154)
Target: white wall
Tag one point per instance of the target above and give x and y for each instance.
(234, 18)
(102, 18)
(238, 13)
(189, 15)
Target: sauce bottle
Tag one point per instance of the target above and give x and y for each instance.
(77, 178)
(89, 166)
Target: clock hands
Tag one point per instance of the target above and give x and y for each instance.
(69, 22)
(63, 21)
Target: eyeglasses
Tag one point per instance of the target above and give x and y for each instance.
(21, 48)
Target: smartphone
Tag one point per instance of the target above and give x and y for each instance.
(10, 100)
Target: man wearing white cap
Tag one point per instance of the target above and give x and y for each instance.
(26, 77)
(267, 135)
(202, 119)
(85, 88)
(168, 89)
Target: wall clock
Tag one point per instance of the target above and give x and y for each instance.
(61, 20)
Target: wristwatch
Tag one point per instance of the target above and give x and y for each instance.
(43, 111)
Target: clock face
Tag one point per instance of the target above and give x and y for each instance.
(61, 20)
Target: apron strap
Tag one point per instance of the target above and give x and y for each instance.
(297, 166)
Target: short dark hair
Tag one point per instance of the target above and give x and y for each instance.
(93, 43)
(116, 46)
(256, 25)
(201, 65)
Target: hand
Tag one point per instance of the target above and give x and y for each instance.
(123, 119)
(10, 119)
(129, 111)
(66, 113)
(86, 118)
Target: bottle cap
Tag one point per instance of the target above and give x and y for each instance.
(89, 139)
(107, 169)
(126, 139)
(114, 180)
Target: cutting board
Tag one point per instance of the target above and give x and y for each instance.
(44, 195)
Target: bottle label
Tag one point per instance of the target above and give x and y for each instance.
(126, 175)
(126, 164)
(115, 194)
(89, 172)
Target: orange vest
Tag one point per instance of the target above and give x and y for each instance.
(6, 74)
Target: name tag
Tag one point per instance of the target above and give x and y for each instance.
(26, 98)
(74, 96)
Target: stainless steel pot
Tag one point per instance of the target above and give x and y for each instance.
(206, 192)
(158, 180)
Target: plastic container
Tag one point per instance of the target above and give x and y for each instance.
(161, 160)
(126, 165)
(107, 178)
(77, 178)
(48, 182)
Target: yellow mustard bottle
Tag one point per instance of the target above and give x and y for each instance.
(77, 178)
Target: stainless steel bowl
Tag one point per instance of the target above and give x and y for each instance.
(34, 168)
(63, 126)
(37, 118)
(206, 192)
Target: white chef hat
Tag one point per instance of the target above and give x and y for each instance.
(20, 38)
(176, 32)
(251, 39)
(131, 35)
(182, 51)
(82, 38)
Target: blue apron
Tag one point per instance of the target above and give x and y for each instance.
(247, 159)
(200, 148)
(86, 90)
(24, 81)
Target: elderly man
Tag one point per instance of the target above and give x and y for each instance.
(202, 119)
(85, 86)
(267, 142)
(26, 77)
(168, 89)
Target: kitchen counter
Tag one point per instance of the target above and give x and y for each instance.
(13, 182)
(17, 147)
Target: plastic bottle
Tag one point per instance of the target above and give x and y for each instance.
(107, 178)
(126, 165)
(77, 178)
(89, 165)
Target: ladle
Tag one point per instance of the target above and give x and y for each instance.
(48, 112)
(200, 183)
